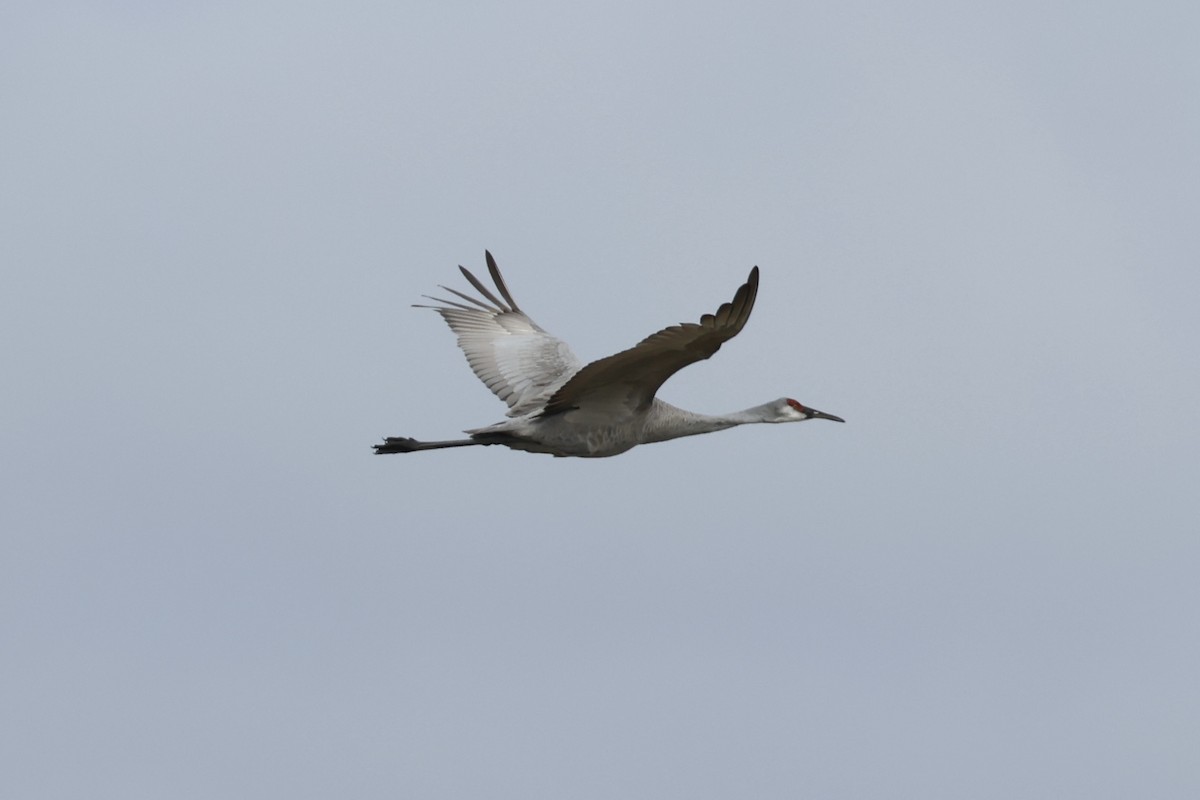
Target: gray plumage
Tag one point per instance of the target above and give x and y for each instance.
(559, 406)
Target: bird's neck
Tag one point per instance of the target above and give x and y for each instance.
(666, 421)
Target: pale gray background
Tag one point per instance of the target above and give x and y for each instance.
(977, 225)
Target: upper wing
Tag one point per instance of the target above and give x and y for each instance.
(635, 375)
(508, 351)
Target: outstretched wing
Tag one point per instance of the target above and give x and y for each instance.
(635, 375)
(509, 352)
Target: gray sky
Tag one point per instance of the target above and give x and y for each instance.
(977, 229)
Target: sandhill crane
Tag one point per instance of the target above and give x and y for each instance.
(559, 406)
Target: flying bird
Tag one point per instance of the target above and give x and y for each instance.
(557, 405)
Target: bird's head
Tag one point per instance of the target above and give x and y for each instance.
(788, 410)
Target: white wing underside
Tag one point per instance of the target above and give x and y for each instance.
(513, 356)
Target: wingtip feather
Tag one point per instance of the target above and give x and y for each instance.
(498, 279)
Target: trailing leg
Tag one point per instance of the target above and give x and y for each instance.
(403, 444)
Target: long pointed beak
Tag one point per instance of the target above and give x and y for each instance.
(814, 414)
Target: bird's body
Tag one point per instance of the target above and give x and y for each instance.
(579, 432)
(559, 406)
